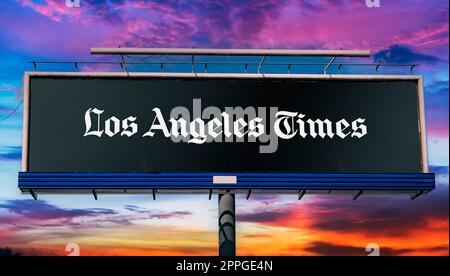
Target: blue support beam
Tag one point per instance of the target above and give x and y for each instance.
(34, 182)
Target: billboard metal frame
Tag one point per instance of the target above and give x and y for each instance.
(355, 184)
(227, 184)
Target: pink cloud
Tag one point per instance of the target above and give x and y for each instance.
(52, 9)
(258, 24)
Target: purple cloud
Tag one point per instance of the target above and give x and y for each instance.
(262, 216)
(234, 23)
(41, 210)
(370, 215)
(402, 54)
(156, 215)
(324, 248)
(439, 170)
(437, 96)
(9, 252)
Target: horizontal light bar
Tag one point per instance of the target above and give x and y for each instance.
(229, 52)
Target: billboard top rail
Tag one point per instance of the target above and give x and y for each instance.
(128, 60)
(230, 52)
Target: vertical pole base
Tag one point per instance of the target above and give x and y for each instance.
(227, 225)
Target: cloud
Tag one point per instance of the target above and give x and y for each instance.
(122, 250)
(257, 236)
(233, 23)
(402, 54)
(57, 10)
(136, 209)
(156, 215)
(10, 153)
(39, 209)
(29, 221)
(34, 214)
(262, 216)
(441, 171)
(329, 249)
(433, 36)
(6, 87)
(436, 100)
(9, 252)
(372, 216)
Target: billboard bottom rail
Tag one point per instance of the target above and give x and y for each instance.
(355, 184)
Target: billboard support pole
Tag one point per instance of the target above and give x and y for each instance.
(227, 224)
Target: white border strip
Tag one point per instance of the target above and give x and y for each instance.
(224, 179)
(26, 114)
(422, 126)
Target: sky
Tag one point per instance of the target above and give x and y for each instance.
(406, 32)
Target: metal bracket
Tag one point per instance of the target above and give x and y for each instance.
(416, 195)
(33, 194)
(94, 192)
(154, 194)
(210, 194)
(357, 194)
(301, 193)
(328, 65)
(123, 65)
(248, 193)
(261, 64)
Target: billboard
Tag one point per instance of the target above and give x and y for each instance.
(223, 124)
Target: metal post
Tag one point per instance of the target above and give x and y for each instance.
(227, 225)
